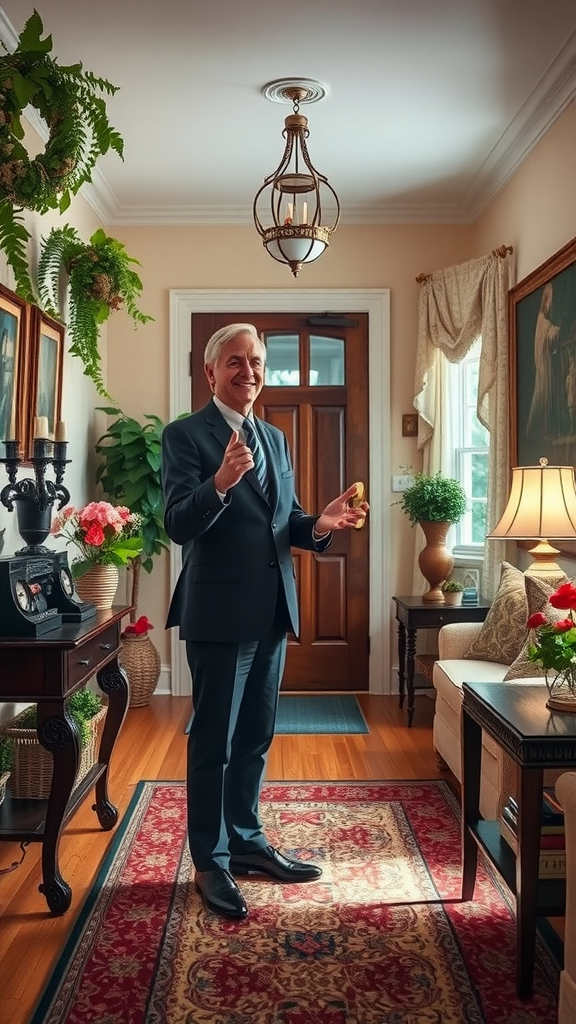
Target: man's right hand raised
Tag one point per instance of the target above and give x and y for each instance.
(236, 462)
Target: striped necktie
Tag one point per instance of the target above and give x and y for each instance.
(253, 442)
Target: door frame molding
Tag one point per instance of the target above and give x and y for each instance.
(374, 301)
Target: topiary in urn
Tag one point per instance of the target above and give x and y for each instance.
(435, 502)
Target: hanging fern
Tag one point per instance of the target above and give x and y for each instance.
(101, 280)
(69, 100)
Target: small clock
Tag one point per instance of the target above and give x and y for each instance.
(66, 582)
(23, 596)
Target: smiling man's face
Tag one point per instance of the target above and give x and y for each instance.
(237, 376)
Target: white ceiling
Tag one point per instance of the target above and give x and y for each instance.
(432, 104)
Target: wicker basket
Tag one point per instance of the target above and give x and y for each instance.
(31, 774)
(141, 662)
(3, 780)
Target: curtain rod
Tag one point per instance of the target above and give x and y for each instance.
(502, 252)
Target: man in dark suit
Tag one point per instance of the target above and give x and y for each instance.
(230, 502)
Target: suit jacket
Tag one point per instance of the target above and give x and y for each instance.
(236, 554)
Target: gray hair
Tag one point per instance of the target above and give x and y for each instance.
(216, 343)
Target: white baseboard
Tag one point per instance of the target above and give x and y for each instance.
(164, 685)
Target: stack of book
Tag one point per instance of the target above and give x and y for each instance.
(552, 834)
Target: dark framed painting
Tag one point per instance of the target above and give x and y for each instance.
(13, 339)
(45, 362)
(542, 338)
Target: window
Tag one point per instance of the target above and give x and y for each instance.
(469, 442)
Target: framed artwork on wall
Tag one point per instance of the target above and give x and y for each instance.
(542, 338)
(13, 340)
(45, 362)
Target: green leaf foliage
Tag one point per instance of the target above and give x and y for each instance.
(70, 101)
(130, 475)
(434, 499)
(81, 706)
(101, 279)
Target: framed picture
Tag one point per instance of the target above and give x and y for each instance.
(542, 333)
(45, 360)
(13, 336)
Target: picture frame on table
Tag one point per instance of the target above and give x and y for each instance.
(13, 340)
(45, 370)
(542, 365)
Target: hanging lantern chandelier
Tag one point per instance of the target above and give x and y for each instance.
(292, 197)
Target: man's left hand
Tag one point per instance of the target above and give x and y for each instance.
(339, 516)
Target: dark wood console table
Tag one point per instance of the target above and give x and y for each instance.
(516, 717)
(413, 614)
(45, 671)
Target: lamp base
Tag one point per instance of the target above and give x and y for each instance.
(544, 563)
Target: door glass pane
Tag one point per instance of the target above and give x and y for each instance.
(326, 361)
(282, 360)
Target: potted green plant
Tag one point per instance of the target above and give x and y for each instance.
(32, 766)
(70, 101)
(129, 473)
(453, 590)
(435, 502)
(101, 279)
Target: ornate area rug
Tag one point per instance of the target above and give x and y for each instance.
(381, 938)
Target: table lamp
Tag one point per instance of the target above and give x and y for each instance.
(542, 507)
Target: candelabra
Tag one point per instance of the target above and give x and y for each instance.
(34, 497)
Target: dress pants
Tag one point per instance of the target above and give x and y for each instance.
(235, 694)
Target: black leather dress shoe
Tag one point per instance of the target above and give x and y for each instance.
(269, 861)
(220, 894)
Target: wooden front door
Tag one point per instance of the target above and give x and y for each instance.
(316, 392)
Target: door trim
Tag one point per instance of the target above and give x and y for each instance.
(376, 302)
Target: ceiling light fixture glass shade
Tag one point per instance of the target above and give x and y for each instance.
(292, 197)
(541, 506)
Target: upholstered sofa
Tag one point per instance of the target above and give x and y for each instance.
(493, 651)
(566, 793)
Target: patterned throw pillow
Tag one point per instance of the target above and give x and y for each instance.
(538, 591)
(504, 629)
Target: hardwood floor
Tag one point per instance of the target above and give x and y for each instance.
(152, 745)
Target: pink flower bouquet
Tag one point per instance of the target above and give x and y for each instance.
(104, 534)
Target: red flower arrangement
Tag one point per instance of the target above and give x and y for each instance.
(138, 628)
(555, 642)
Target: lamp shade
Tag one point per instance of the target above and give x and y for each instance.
(542, 503)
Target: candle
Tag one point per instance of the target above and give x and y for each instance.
(11, 429)
(304, 213)
(61, 431)
(289, 213)
(41, 427)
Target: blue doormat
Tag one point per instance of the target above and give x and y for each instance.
(320, 714)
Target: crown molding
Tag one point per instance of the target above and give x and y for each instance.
(555, 91)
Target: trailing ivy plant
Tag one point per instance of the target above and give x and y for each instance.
(101, 279)
(130, 475)
(70, 101)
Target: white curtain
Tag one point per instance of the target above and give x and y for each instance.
(457, 305)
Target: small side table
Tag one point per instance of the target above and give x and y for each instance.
(46, 670)
(413, 614)
(515, 715)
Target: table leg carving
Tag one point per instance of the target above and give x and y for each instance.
(401, 663)
(410, 666)
(113, 681)
(59, 735)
